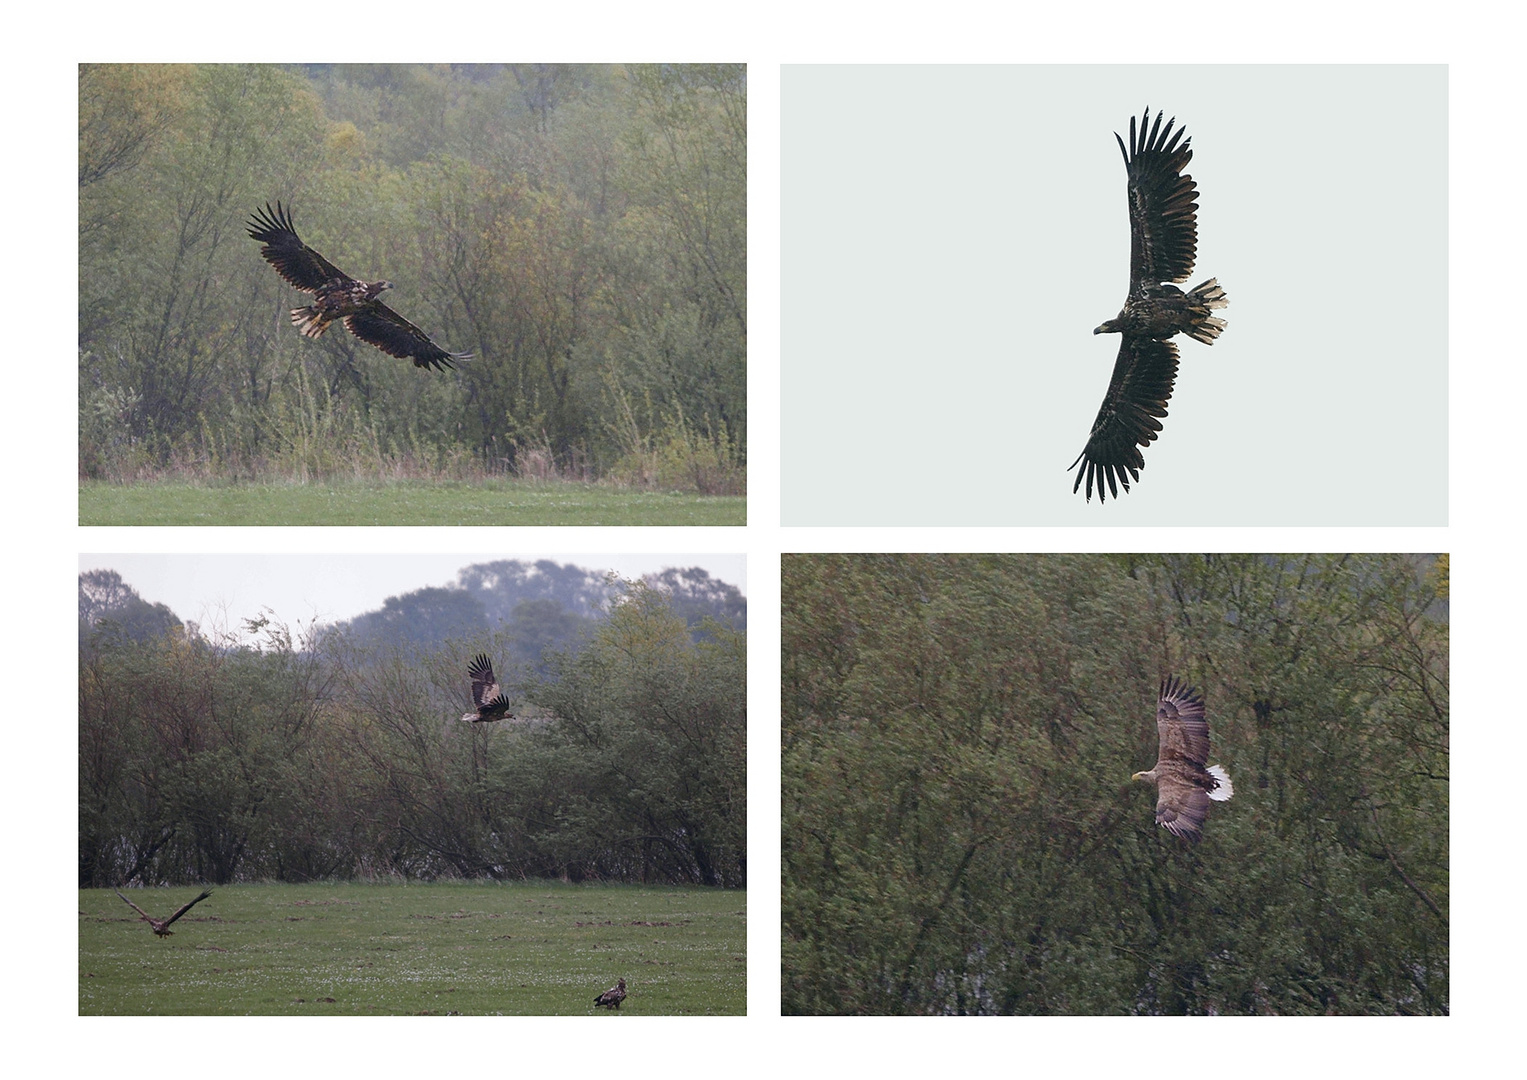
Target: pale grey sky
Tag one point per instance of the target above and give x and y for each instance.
(220, 591)
(950, 235)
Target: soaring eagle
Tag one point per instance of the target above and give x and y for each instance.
(338, 296)
(1184, 787)
(486, 695)
(612, 997)
(162, 926)
(1163, 241)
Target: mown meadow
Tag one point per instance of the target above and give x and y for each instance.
(455, 948)
(493, 501)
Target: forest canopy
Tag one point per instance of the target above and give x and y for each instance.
(960, 834)
(338, 756)
(580, 228)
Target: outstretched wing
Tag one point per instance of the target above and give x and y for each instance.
(1181, 808)
(379, 325)
(300, 266)
(1137, 395)
(186, 907)
(1163, 213)
(134, 906)
(484, 683)
(1181, 726)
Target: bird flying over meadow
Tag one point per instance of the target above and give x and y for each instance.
(162, 926)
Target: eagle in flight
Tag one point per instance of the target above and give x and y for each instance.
(1184, 787)
(1163, 242)
(162, 926)
(486, 695)
(338, 297)
(612, 997)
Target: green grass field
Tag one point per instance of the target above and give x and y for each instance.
(491, 502)
(458, 948)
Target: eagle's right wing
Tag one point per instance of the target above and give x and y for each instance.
(1137, 395)
(300, 266)
(1181, 724)
(134, 906)
(484, 682)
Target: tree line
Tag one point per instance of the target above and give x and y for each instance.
(960, 836)
(580, 228)
(217, 762)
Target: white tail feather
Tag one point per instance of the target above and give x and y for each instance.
(1225, 789)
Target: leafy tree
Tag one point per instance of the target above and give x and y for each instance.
(959, 835)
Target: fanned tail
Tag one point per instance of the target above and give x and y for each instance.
(310, 321)
(1202, 300)
(1225, 789)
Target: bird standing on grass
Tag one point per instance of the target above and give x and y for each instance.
(612, 997)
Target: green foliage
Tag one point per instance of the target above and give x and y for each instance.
(537, 949)
(409, 499)
(570, 224)
(959, 831)
(346, 758)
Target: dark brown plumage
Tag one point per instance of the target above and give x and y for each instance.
(612, 997)
(1163, 231)
(162, 926)
(1184, 786)
(486, 695)
(338, 297)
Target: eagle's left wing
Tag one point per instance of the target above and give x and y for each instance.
(186, 907)
(1163, 211)
(379, 325)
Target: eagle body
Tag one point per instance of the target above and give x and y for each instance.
(1163, 229)
(339, 297)
(612, 997)
(334, 300)
(1185, 785)
(486, 694)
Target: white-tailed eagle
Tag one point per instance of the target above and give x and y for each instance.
(486, 695)
(612, 997)
(1184, 786)
(1163, 242)
(162, 926)
(338, 297)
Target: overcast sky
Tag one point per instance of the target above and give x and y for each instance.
(951, 235)
(220, 591)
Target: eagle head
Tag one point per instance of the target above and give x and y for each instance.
(1112, 326)
(1150, 775)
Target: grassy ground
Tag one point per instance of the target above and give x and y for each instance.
(492, 502)
(369, 950)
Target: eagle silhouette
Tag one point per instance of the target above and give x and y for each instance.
(339, 297)
(162, 926)
(1163, 242)
(486, 695)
